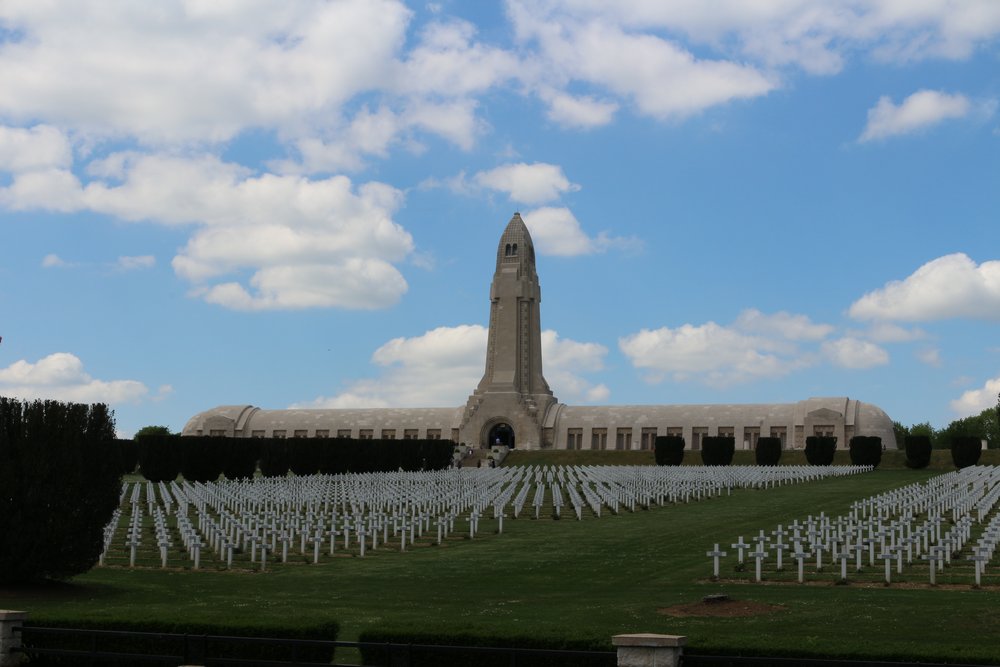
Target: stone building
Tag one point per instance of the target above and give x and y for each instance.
(513, 404)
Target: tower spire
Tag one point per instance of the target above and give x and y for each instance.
(513, 384)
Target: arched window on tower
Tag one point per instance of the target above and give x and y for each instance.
(513, 250)
(506, 251)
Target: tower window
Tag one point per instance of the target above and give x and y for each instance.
(506, 250)
(513, 250)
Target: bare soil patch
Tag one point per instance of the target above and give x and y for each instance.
(721, 609)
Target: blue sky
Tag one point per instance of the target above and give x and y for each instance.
(298, 203)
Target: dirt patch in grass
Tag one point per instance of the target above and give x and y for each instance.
(722, 609)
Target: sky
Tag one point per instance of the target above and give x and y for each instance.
(298, 203)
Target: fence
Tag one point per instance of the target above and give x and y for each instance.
(110, 647)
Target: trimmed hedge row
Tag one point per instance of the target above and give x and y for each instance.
(444, 649)
(205, 458)
(59, 484)
(668, 450)
(199, 650)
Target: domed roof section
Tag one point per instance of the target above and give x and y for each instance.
(235, 414)
(516, 245)
(874, 421)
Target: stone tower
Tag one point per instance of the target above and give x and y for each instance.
(513, 397)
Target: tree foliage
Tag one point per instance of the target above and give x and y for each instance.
(60, 477)
(159, 456)
(966, 450)
(668, 450)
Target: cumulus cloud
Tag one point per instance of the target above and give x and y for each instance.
(61, 376)
(556, 231)
(947, 287)
(783, 325)
(709, 353)
(974, 401)
(756, 345)
(527, 183)
(919, 111)
(579, 111)
(854, 353)
(660, 78)
(308, 243)
(31, 149)
(441, 368)
(53, 261)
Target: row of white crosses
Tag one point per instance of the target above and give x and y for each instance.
(312, 518)
(929, 522)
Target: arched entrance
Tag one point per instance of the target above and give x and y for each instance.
(501, 434)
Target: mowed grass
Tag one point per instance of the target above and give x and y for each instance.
(566, 579)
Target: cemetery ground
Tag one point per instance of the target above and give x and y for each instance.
(572, 581)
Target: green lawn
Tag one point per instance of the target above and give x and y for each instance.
(574, 580)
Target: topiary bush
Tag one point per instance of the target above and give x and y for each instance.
(768, 451)
(718, 450)
(966, 450)
(60, 477)
(820, 449)
(128, 455)
(918, 451)
(866, 450)
(668, 450)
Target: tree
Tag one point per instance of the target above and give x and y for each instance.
(152, 430)
(820, 449)
(60, 476)
(768, 451)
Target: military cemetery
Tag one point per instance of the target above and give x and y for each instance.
(487, 540)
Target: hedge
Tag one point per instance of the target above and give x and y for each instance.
(718, 450)
(159, 456)
(820, 449)
(240, 461)
(421, 649)
(668, 450)
(918, 451)
(866, 450)
(966, 450)
(60, 478)
(200, 651)
(768, 451)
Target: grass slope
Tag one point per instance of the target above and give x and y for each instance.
(573, 580)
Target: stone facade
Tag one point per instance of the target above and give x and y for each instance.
(513, 404)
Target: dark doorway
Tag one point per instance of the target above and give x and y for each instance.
(501, 434)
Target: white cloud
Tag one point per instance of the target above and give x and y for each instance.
(61, 376)
(441, 368)
(556, 231)
(947, 287)
(782, 325)
(579, 111)
(272, 65)
(930, 356)
(527, 183)
(309, 243)
(135, 262)
(711, 354)
(30, 149)
(53, 261)
(919, 111)
(889, 332)
(659, 77)
(974, 401)
(854, 353)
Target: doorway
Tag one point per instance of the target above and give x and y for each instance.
(501, 434)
